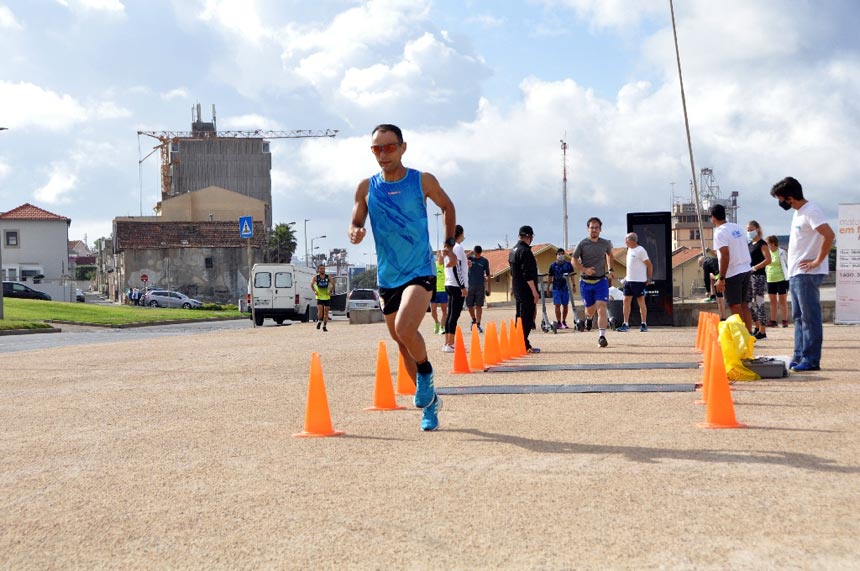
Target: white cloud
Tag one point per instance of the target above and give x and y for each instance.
(178, 93)
(610, 13)
(111, 6)
(5, 168)
(29, 105)
(248, 122)
(26, 104)
(61, 180)
(8, 20)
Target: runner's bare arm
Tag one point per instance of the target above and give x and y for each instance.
(434, 192)
(359, 213)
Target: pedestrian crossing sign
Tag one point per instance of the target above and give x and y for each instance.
(246, 227)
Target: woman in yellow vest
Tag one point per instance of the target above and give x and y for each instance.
(323, 288)
(440, 297)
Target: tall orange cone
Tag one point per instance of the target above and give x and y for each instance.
(707, 373)
(512, 339)
(476, 361)
(699, 331)
(405, 381)
(521, 338)
(317, 418)
(461, 362)
(504, 344)
(721, 410)
(383, 391)
(492, 355)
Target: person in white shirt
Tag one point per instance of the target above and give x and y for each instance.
(456, 286)
(730, 243)
(808, 249)
(639, 271)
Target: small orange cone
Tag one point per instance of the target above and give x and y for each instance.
(512, 339)
(492, 355)
(317, 418)
(461, 362)
(504, 344)
(405, 381)
(721, 410)
(476, 362)
(383, 391)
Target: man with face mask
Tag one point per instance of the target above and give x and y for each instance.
(808, 249)
(557, 277)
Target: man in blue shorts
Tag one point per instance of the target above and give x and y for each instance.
(592, 258)
(557, 277)
(395, 199)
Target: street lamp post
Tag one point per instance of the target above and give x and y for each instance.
(1, 260)
(312, 242)
(306, 240)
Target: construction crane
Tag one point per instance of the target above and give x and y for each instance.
(169, 140)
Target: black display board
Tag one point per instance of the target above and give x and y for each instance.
(655, 235)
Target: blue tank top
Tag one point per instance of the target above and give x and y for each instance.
(398, 215)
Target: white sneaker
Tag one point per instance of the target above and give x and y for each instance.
(447, 348)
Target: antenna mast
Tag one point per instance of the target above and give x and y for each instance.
(564, 187)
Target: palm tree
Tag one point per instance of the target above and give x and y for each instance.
(282, 244)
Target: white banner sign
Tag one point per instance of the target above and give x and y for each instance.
(848, 264)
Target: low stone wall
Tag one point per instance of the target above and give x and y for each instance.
(687, 314)
(365, 316)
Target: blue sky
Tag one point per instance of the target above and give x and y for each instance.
(484, 91)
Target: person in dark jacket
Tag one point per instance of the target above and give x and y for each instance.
(524, 277)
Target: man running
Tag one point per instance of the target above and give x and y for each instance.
(395, 199)
(323, 287)
(592, 258)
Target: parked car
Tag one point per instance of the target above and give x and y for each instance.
(14, 289)
(165, 298)
(79, 295)
(362, 299)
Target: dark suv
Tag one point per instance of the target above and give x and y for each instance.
(14, 289)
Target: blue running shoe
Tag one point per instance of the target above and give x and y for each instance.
(424, 390)
(805, 366)
(624, 327)
(430, 416)
(644, 328)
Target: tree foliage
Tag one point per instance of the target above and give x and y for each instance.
(365, 280)
(281, 245)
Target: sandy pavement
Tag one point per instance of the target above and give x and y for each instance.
(178, 453)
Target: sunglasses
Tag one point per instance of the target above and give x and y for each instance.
(388, 148)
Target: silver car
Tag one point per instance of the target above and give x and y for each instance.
(362, 299)
(165, 298)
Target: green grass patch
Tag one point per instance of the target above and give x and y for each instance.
(31, 311)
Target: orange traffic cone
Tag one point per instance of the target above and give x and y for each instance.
(476, 362)
(699, 332)
(721, 410)
(492, 354)
(504, 344)
(317, 418)
(521, 338)
(383, 392)
(512, 339)
(461, 362)
(707, 373)
(405, 381)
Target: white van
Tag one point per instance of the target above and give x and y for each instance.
(282, 291)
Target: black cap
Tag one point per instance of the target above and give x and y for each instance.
(526, 231)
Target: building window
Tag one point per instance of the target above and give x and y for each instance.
(10, 238)
(210, 263)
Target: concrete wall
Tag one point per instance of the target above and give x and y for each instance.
(42, 245)
(184, 270)
(220, 203)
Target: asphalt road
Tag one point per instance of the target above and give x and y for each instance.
(71, 335)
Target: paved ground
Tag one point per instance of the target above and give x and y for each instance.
(178, 453)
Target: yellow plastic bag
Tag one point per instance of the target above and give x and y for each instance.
(737, 344)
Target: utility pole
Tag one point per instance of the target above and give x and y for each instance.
(1, 259)
(564, 188)
(306, 240)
